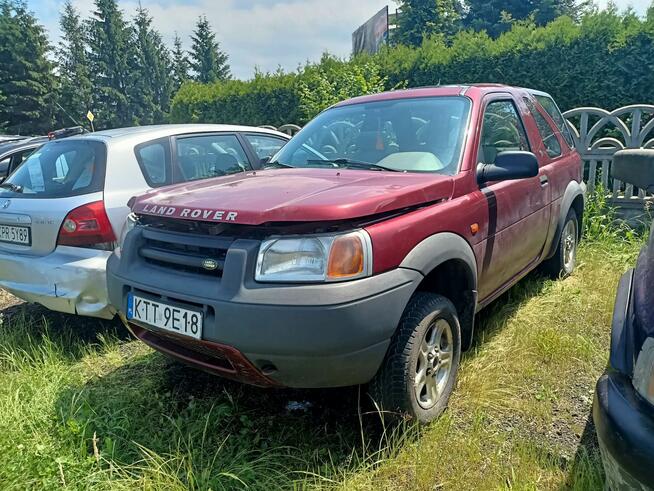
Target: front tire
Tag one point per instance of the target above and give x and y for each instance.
(563, 263)
(419, 371)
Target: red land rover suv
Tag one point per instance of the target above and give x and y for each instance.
(364, 249)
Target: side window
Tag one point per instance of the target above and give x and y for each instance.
(154, 159)
(4, 167)
(19, 158)
(202, 157)
(502, 131)
(265, 146)
(552, 109)
(547, 133)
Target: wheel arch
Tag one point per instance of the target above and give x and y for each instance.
(573, 198)
(449, 266)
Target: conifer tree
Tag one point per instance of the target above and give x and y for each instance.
(110, 41)
(207, 60)
(180, 64)
(74, 78)
(152, 86)
(26, 75)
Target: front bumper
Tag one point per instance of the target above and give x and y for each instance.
(625, 429)
(70, 280)
(305, 336)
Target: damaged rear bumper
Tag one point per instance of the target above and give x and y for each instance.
(70, 280)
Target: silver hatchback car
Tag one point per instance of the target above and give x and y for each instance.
(63, 209)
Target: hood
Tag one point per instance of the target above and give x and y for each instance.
(294, 195)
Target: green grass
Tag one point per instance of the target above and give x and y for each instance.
(86, 407)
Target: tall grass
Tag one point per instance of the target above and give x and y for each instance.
(82, 406)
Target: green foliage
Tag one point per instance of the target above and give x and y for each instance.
(180, 64)
(267, 99)
(332, 80)
(110, 44)
(606, 60)
(207, 60)
(420, 19)
(496, 16)
(26, 78)
(152, 87)
(75, 89)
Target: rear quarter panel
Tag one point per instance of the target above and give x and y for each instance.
(123, 180)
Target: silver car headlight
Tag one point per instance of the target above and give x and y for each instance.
(315, 258)
(130, 223)
(644, 371)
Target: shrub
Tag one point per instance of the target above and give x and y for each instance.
(606, 60)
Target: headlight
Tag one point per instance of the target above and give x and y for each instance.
(644, 371)
(315, 258)
(129, 224)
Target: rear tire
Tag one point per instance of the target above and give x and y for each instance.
(563, 263)
(419, 371)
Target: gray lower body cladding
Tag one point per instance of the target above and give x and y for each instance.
(324, 335)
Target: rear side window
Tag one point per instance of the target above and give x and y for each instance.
(154, 160)
(205, 156)
(60, 169)
(502, 131)
(552, 109)
(547, 133)
(265, 146)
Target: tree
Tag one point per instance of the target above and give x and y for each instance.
(110, 41)
(181, 65)
(207, 60)
(419, 19)
(151, 69)
(496, 16)
(26, 75)
(75, 92)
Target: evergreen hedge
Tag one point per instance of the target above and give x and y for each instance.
(606, 60)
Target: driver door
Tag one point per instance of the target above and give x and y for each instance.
(518, 210)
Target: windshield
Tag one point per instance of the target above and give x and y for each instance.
(410, 135)
(59, 169)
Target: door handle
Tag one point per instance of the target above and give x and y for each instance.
(544, 181)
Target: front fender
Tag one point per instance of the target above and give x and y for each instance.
(439, 248)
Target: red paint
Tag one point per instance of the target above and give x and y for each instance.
(291, 195)
(516, 219)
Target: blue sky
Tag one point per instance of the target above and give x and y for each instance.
(262, 33)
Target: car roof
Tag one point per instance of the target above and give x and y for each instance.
(145, 133)
(474, 91)
(6, 148)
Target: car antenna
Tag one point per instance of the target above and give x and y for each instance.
(66, 113)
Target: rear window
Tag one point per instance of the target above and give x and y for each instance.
(552, 109)
(60, 169)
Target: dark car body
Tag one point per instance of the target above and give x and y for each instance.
(623, 411)
(14, 153)
(483, 237)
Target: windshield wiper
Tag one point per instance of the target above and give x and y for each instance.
(11, 186)
(352, 164)
(276, 163)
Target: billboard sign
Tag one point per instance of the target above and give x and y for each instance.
(372, 35)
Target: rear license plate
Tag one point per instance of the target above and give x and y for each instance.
(15, 235)
(165, 316)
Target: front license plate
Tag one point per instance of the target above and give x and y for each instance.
(15, 235)
(165, 316)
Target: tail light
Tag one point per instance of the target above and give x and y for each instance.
(87, 226)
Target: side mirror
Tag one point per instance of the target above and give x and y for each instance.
(508, 166)
(264, 161)
(635, 167)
